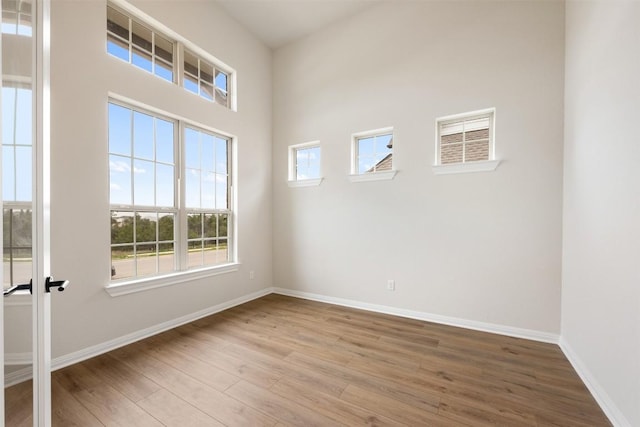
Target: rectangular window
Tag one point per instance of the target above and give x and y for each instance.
(205, 79)
(372, 152)
(139, 45)
(304, 163)
(146, 215)
(465, 138)
(17, 141)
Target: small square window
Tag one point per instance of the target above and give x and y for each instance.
(465, 142)
(372, 155)
(304, 164)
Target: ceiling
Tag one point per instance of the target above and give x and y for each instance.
(279, 22)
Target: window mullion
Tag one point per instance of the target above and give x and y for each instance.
(182, 232)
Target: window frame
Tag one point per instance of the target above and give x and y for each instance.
(181, 271)
(376, 175)
(293, 180)
(490, 164)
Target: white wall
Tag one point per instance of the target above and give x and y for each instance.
(484, 247)
(82, 74)
(601, 280)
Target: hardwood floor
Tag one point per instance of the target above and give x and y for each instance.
(280, 361)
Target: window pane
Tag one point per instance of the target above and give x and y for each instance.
(192, 186)
(141, 37)
(164, 185)
(146, 260)
(166, 258)
(164, 71)
(164, 141)
(206, 91)
(451, 153)
(222, 252)
(477, 134)
(451, 138)
(222, 225)
(194, 226)
(117, 23)
(9, 98)
(165, 227)
(191, 84)
(120, 180)
(194, 258)
(23, 174)
(142, 135)
(208, 152)
(365, 147)
(192, 148)
(221, 155)
(119, 130)
(221, 191)
(365, 164)
(190, 64)
(221, 80)
(210, 225)
(143, 180)
(208, 197)
(122, 262)
(206, 73)
(221, 97)
(164, 49)
(121, 227)
(8, 173)
(117, 48)
(145, 231)
(141, 59)
(476, 151)
(23, 114)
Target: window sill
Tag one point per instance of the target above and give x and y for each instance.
(117, 289)
(306, 182)
(484, 166)
(374, 176)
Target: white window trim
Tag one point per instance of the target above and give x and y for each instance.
(370, 176)
(373, 176)
(132, 285)
(117, 289)
(293, 182)
(466, 167)
(180, 44)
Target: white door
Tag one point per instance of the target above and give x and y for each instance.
(25, 314)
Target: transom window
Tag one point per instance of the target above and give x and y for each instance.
(372, 152)
(153, 231)
(137, 44)
(465, 138)
(134, 41)
(204, 79)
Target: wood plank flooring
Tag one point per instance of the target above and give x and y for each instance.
(280, 361)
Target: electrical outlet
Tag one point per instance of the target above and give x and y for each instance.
(252, 275)
(391, 285)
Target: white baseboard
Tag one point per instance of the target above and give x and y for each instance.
(610, 409)
(96, 350)
(428, 317)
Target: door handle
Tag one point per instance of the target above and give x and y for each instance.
(23, 287)
(60, 284)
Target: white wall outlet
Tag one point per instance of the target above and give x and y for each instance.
(391, 285)
(252, 275)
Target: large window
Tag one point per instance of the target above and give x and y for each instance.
(153, 231)
(136, 42)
